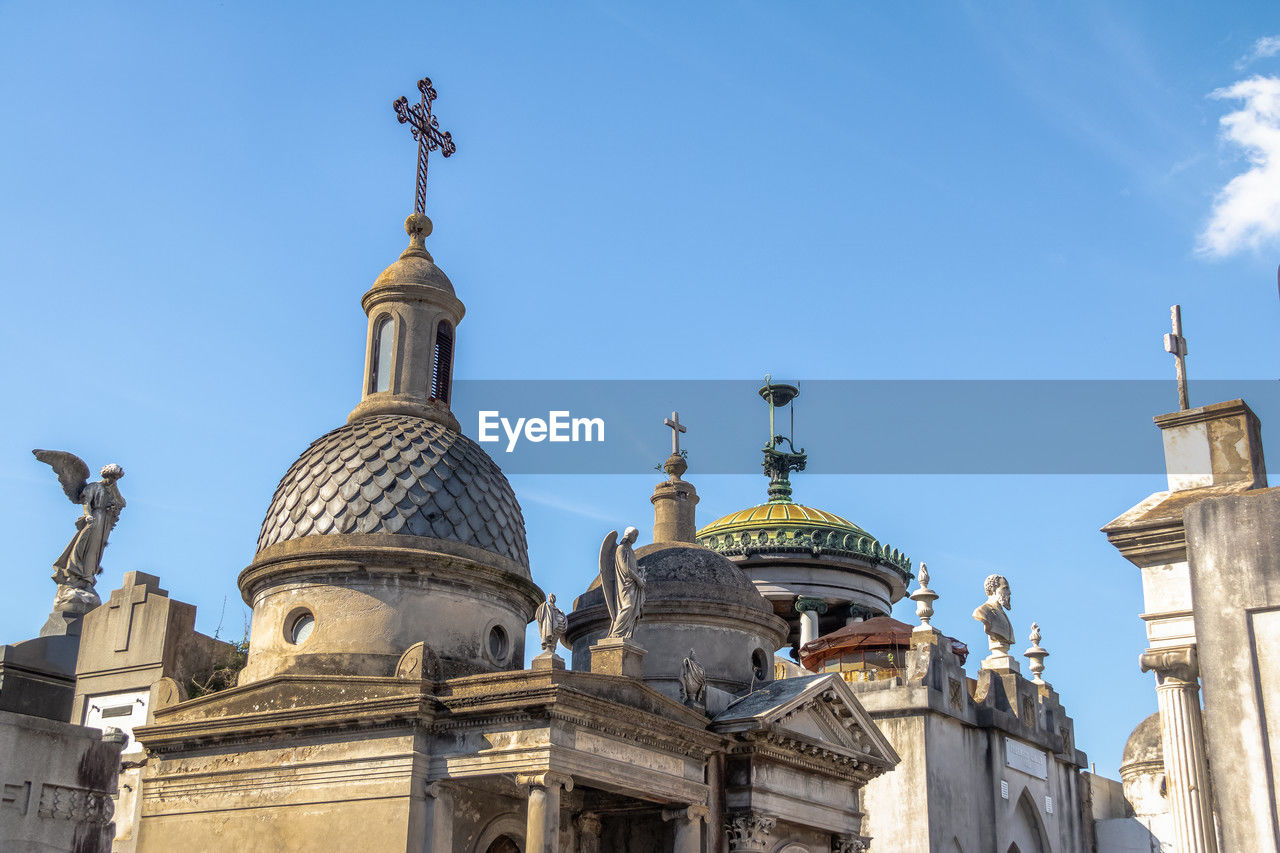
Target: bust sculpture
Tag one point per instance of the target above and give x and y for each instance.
(991, 613)
(552, 623)
(622, 582)
(78, 567)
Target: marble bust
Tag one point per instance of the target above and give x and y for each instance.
(991, 613)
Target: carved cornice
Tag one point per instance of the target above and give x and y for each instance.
(808, 755)
(1177, 664)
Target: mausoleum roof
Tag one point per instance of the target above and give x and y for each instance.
(397, 474)
(415, 266)
(1144, 745)
(781, 527)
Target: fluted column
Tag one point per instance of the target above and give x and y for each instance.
(542, 827)
(1182, 737)
(688, 828)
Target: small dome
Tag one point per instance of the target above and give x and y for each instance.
(876, 634)
(680, 572)
(1143, 745)
(416, 268)
(781, 527)
(397, 474)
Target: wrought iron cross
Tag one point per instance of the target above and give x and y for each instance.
(676, 429)
(1176, 344)
(427, 131)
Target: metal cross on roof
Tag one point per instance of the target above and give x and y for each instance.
(676, 429)
(427, 131)
(1176, 344)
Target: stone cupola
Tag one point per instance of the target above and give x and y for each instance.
(394, 529)
(413, 317)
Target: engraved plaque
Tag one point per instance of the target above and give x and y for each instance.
(1028, 759)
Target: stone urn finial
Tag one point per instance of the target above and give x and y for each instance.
(924, 598)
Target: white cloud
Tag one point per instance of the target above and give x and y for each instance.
(1263, 48)
(1246, 212)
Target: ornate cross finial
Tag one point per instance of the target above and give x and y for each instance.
(1176, 344)
(676, 429)
(427, 131)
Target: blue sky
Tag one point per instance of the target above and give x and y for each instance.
(192, 203)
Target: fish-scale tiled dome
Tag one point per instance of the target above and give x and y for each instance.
(397, 474)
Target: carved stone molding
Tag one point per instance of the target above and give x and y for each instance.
(1178, 663)
(817, 605)
(749, 832)
(849, 844)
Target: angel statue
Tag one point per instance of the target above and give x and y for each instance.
(693, 681)
(622, 581)
(81, 561)
(552, 623)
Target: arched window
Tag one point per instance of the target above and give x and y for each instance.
(443, 362)
(380, 369)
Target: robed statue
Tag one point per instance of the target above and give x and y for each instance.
(693, 681)
(552, 623)
(622, 581)
(81, 561)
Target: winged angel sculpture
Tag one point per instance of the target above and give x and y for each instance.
(622, 581)
(81, 561)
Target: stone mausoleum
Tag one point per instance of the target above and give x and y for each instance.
(381, 701)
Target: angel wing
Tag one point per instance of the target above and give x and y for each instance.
(609, 574)
(71, 470)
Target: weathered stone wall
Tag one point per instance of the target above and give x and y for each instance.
(57, 784)
(1233, 545)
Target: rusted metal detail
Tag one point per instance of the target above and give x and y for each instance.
(426, 130)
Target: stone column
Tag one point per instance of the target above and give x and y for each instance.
(542, 829)
(439, 816)
(749, 831)
(809, 610)
(688, 828)
(1182, 737)
(589, 826)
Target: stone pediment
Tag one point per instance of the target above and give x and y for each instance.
(813, 714)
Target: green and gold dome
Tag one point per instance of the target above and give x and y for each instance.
(782, 526)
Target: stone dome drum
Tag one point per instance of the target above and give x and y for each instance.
(397, 474)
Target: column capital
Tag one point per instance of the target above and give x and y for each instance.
(848, 844)
(690, 812)
(439, 788)
(589, 823)
(816, 605)
(1179, 663)
(546, 779)
(749, 831)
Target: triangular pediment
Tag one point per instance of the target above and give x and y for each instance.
(818, 710)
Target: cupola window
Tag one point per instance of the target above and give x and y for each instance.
(443, 362)
(383, 340)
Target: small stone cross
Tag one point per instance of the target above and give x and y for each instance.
(1176, 344)
(426, 130)
(676, 429)
(123, 602)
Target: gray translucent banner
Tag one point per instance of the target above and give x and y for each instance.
(846, 426)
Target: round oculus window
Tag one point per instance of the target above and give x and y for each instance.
(301, 628)
(499, 644)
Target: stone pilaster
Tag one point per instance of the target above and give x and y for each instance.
(749, 831)
(439, 816)
(687, 824)
(1182, 737)
(542, 827)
